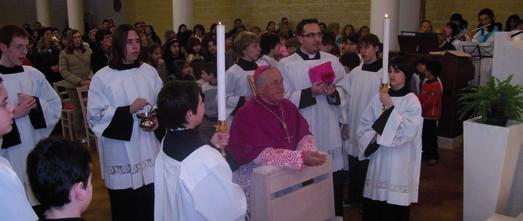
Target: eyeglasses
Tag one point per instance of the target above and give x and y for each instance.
(313, 35)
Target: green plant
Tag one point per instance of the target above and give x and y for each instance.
(495, 102)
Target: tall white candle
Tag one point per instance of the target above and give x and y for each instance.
(220, 40)
(386, 42)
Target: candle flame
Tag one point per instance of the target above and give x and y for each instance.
(220, 23)
(386, 15)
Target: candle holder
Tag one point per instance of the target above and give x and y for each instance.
(221, 126)
(384, 88)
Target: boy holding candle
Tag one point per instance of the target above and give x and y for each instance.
(192, 179)
(389, 135)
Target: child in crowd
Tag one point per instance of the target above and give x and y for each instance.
(430, 99)
(349, 61)
(209, 90)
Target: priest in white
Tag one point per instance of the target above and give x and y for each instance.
(38, 106)
(13, 203)
(319, 103)
(118, 92)
(247, 46)
(192, 179)
(389, 136)
(360, 86)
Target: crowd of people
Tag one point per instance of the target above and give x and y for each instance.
(293, 98)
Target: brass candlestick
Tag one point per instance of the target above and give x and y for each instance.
(384, 88)
(221, 126)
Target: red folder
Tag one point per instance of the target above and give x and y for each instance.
(322, 72)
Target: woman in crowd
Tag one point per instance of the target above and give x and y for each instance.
(154, 58)
(194, 49)
(183, 35)
(452, 39)
(171, 53)
(75, 66)
(149, 31)
(487, 20)
(425, 26)
(511, 23)
(271, 27)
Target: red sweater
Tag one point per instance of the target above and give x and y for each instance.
(430, 99)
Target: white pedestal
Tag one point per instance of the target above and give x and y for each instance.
(490, 156)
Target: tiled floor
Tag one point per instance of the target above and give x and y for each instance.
(440, 197)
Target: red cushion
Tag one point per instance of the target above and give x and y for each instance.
(68, 105)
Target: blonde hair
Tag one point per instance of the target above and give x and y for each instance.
(243, 40)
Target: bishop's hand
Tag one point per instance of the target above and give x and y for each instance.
(313, 158)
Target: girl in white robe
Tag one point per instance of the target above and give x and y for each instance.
(127, 152)
(389, 136)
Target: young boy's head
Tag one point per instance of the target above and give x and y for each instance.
(349, 61)
(208, 73)
(421, 66)
(13, 45)
(369, 47)
(180, 104)
(433, 68)
(59, 172)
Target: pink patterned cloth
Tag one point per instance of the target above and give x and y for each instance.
(275, 157)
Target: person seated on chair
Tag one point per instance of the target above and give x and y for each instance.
(269, 130)
(60, 175)
(192, 179)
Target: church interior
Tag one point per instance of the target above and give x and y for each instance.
(477, 172)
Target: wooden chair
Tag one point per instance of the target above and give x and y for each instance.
(66, 118)
(82, 96)
(281, 194)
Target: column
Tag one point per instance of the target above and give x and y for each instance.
(378, 9)
(75, 14)
(182, 13)
(42, 12)
(409, 15)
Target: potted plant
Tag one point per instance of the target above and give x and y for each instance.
(490, 146)
(495, 102)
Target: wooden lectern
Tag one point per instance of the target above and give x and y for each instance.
(290, 195)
